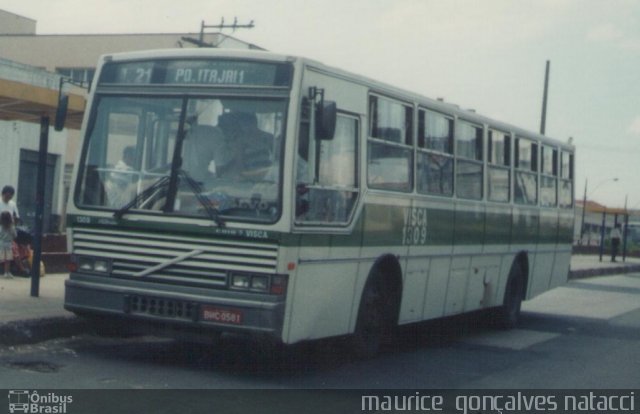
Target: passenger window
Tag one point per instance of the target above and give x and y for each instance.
(469, 166)
(565, 190)
(435, 153)
(548, 180)
(499, 172)
(526, 178)
(390, 145)
(332, 198)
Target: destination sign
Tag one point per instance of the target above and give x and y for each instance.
(197, 72)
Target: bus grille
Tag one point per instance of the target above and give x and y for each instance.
(207, 262)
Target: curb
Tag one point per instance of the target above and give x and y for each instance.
(585, 273)
(32, 331)
(37, 330)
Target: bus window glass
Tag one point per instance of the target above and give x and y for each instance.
(499, 148)
(499, 184)
(566, 165)
(332, 199)
(565, 194)
(499, 173)
(526, 155)
(549, 161)
(390, 120)
(468, 141)
(435, 149)
(469, 169)
(548, 181)
(565, 189)
(435, 173)
(435, 132)
(389, 167)
(469, 180)
(230, 155)
(548, 192)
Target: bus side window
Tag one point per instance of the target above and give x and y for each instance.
(333, 197)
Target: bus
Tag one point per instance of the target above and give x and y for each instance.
(250, 192)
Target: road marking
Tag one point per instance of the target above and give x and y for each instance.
(598, 298)
(516, 339)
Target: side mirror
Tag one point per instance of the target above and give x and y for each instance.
(61, 112)
(326, 120)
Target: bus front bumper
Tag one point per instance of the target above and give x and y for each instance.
(142, 307)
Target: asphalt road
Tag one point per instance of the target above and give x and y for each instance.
(583, 335)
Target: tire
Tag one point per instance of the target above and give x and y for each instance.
(377, 316)
(509, 313)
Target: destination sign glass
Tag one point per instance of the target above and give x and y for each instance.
(197, 72)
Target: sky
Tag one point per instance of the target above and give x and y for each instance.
(487, 55)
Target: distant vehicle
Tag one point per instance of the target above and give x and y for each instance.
(277, 196)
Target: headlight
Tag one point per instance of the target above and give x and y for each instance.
(259, 283)
(101, 266)
(240, 281)
(85, 264)
(273, 284)
(94, 265)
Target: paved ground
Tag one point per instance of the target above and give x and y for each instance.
(25, 319)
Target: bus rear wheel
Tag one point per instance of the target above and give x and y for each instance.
(509, 313)
(375, 319)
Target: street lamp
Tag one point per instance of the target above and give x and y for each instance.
(584, 201)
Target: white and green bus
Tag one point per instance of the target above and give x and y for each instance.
(245, 191)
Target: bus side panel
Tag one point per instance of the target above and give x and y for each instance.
(540, 278)
(563, 251)
(435, 296)
(483, 279)
(560, 269)
(468, 240)
(322, 300)
(457, 286)
(418, 288)
(524, 237)
(413, 289)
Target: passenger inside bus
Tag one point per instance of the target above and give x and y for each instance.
(118, 185)
(205, 151)
(251, 147)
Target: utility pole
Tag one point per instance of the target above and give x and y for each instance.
(543, 121)
(200, 41)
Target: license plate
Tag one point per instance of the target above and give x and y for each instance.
(220, 315)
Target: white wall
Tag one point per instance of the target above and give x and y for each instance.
(15, 135)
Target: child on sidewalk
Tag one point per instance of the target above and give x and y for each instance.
(7, 234)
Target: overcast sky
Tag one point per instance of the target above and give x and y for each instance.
(488, 55)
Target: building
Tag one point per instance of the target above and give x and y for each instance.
(592, 219)
(41, 59)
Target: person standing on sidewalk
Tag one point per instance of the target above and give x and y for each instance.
(615, 235)
(7, 234)
(7, 203)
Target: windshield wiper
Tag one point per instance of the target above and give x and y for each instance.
(197, 191)
(162, 182)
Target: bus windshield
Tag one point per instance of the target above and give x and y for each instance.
(223, 153)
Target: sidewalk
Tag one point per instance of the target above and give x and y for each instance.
(26, 319)
(589, 265)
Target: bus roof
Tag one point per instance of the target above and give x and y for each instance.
(376, 86)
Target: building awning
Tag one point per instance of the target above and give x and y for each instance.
(24, 102)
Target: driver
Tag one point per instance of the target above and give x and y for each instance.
(205, 152)
(251, 148)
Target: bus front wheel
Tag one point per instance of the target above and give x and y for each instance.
(375, 319)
